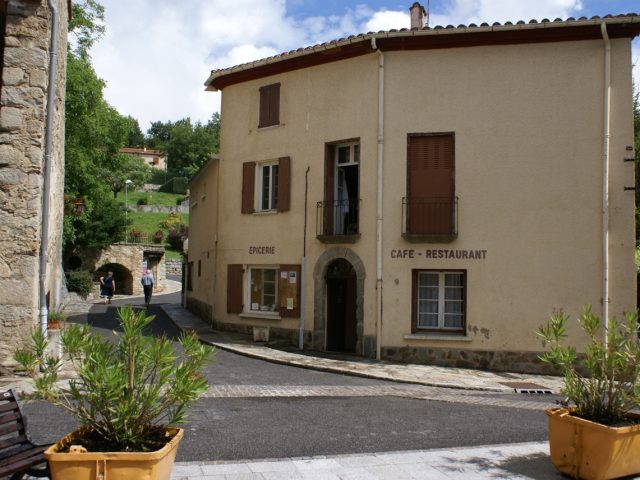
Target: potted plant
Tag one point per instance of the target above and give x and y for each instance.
(594, 434)
(128, 397)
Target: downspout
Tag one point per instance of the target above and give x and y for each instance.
(303, 264)
(46, 187)
(379, 199)
(605, 179)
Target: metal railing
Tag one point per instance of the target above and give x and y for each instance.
(337, 217)
(430, 216)
(145, 238)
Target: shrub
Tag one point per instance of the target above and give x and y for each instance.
(179, 200)
(79, 281)
(143, 201)
(175, 237)
(172, 221)
(126, 394)
(158, 236)
(604, 384)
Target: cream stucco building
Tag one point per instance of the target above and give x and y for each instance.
(427, 195)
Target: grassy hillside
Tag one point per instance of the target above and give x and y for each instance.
(149, 223)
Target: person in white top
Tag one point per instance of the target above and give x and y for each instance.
(147, 285)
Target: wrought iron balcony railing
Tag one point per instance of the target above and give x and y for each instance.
(430, 219)
(338, 220)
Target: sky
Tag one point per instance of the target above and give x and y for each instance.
(157, 54)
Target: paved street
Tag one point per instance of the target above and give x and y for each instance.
(257, 410)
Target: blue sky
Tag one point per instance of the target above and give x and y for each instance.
(157, 54)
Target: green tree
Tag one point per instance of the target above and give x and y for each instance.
(123, 167)
(86, 25)
(94, 134)
(135, 137)
(188, 145)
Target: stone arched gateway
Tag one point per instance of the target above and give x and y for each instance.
(126, 261)
(320, 296)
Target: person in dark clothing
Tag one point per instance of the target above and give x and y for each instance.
(147, 285)
(107, 287)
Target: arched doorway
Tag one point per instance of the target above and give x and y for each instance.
(326, 276)
(122, 276)
(341, 307)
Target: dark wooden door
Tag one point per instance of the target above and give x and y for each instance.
(430, 184)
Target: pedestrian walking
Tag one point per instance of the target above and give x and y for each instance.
(107, 287)
(147, 285)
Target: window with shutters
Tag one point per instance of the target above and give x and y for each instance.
(269, 105)
(266, 186)
(429, 210)
(439, 301)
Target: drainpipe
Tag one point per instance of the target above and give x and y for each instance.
(46, 187)
(605, 179)
(379, 198)
(303, 264)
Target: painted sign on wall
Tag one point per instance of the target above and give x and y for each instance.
(437, 253)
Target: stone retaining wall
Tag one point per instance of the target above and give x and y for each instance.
(173, 267)
(159, 208)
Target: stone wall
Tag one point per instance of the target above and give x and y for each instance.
(23, 102)
(501, 361)
(159, 208)
(173, 267)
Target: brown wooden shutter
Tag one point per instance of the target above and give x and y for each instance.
(274, 105)
(287, 289)
(329, 183)
(248, 186)
(234, 288)
(269, 105)
(430, 184)
(284, 184)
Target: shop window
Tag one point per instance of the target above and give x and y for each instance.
(264, 290)
(439, 301)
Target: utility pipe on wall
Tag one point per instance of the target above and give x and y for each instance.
(303, 264)
(46, 171)
(605, 178)
(379, 316)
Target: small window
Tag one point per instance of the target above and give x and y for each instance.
(199, 267)
(439, 300)
(269, 105)
(268, 186)
(263, 290)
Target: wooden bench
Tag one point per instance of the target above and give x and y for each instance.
(19, 456)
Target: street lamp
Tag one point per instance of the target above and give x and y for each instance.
(126, 199)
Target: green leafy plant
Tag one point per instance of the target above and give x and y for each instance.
(602, 385)
(79, 281)
(126, 393)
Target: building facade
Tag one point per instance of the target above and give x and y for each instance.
(426, 195)
(153, 158)
(25, 61)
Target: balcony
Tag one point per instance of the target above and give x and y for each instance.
(430, 219)
(337, 221)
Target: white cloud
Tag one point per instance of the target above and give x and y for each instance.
(158, 53)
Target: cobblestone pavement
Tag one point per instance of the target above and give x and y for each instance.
(406, 391)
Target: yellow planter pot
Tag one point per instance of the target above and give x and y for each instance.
(592, 451)
(113, 465)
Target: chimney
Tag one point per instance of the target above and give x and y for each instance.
(418, 15)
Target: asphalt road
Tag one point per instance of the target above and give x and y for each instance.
(276, 425)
